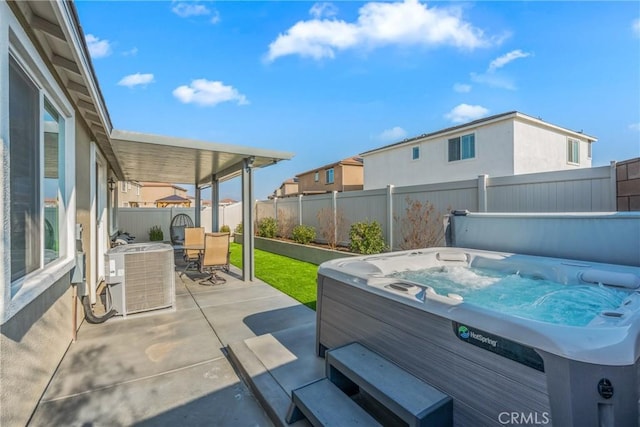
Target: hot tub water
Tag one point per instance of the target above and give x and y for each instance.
(521, 295)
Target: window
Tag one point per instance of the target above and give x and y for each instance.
(415, 153)
(462, 147)
(573, 151)
(123, 186)
(329, 176)
(316, 176)
(589, 149)
(36, 184)
(24, 176)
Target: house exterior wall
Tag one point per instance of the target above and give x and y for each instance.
(345, 178)
(352, 177)
(493, 156)
(147, 195)
(35, 314)
(542, 149)
(33, 342)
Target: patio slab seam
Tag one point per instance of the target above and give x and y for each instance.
(133, 380)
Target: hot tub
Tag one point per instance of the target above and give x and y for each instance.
(513, 339)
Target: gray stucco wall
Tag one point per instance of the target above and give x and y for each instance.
(33, 342)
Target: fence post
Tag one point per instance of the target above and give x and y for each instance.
(334, 205)
(275, 208)
(613, 199)
(300, 209)
(390, 216)
(482, 192)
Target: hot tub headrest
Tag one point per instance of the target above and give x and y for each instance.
(611, 278)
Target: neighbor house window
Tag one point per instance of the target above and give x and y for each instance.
(573, 151)
(329, 176)
(36, 161)
(415, 153)
(462, 147)
(123, 186)
(589, 149)
(316, 177)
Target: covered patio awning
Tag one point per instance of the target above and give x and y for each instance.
(145, 157)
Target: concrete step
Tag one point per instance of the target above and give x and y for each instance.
(354, 368)
(325, 405)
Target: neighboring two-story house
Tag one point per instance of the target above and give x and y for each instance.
(289, 187)
(344, 175)
(505, 144)
(134, 194)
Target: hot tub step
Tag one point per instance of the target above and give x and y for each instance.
(324, 404)
(354, 367)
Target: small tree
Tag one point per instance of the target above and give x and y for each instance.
(238, 229)
(285, 223)
(331, 229)
(267, 227)
(421, 226)
(366, 238)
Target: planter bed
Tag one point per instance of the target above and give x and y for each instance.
(308, 253)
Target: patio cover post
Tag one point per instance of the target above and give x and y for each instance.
(248, 270)
(198, 203)
(215, 204)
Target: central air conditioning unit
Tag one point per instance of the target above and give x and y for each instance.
(141, 277)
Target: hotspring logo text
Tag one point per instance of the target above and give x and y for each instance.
(465, 334)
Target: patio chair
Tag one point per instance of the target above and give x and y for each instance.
(193, 236)
(177, 227)
(215, 257)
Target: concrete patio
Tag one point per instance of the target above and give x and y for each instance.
(185, 366)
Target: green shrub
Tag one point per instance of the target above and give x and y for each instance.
(155, 234)
(225, 229)
(238, 229)
(303, 234)
(366, 238)
(267, 227)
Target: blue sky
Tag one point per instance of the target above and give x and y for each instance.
(329, 80)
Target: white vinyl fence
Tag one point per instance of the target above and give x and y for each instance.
(579, 190)
(138, 221)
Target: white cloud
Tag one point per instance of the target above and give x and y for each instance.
(493, 80)
(208, 93)
(462, 88)
(636, 27)
(503, 60)
(394, 134)
(98, 48)
(185, 10)
(131, 52)
(492, 77)
(379, 24)
(323, 10)
(136, 79)
(635, 126)
(466, 113)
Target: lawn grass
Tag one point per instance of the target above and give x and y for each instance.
(295, 278)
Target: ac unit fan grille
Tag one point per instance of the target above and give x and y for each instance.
(148, 281)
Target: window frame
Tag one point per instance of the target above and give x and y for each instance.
(327, 173)
(23, 290)
(460, 147)
(316, 176)
(571, 152)
(415, 152)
